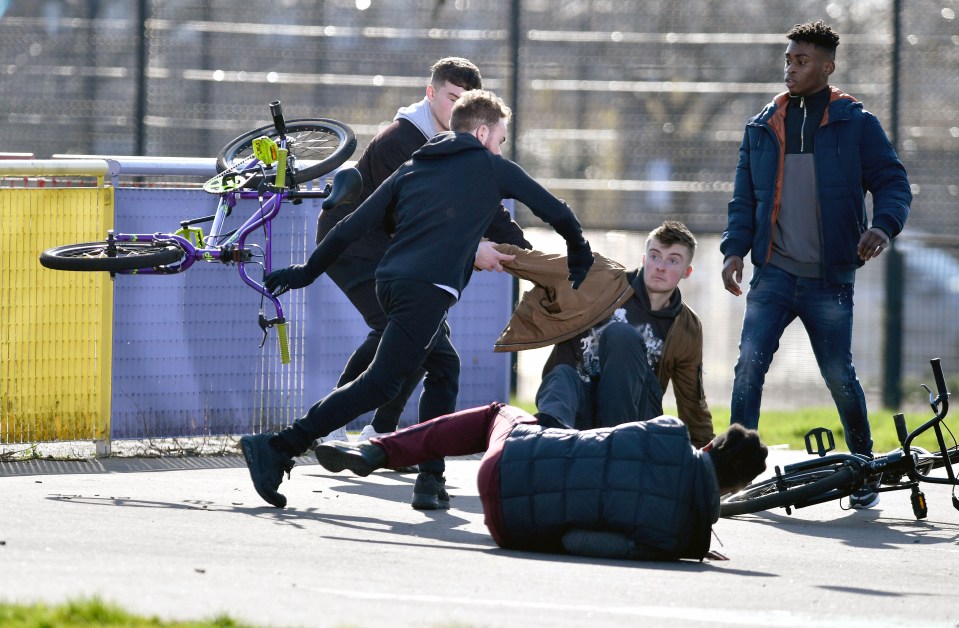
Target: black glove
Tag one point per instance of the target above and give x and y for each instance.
(289, 278)
(579, 258)
(738, 456)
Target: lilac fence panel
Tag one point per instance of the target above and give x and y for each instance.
(186, 356)
(186, 347)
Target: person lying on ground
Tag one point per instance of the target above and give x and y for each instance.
(638, 490)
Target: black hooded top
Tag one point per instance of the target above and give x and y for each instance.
(443, 200)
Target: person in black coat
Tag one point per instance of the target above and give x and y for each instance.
(354, 270)
(638, 490)
(442, 200)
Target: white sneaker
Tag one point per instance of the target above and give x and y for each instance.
(865, 497)
(368, 433)
(338, 434)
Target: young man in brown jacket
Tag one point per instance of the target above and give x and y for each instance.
(618, 341)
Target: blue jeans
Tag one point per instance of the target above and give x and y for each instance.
(774, 300)
(626, 390)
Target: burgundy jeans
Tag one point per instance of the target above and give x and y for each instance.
(459, 434)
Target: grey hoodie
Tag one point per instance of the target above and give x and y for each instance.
(420, 115)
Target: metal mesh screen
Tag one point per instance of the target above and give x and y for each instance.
(630, 110)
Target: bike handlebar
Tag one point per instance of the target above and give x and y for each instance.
(945, 456)
(941, 389)
(276, 110)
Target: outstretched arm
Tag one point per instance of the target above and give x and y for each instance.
(515, 183)
(364, 219)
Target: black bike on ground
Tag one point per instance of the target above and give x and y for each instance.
(835, 476)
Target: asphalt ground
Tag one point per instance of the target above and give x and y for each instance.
(188, 538)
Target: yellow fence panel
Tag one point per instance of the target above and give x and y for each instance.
(55, 327)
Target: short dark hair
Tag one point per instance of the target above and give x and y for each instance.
(478, 107)
(674, 232)
(816, 33)
(458, 71)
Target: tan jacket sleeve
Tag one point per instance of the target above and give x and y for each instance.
(685, 370)
(552, 311)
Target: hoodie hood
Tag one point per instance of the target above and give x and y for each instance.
(420, 115)
(448, 143)
(671, 309)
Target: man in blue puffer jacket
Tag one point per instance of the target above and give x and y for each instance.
(798, 205)
(638, 490)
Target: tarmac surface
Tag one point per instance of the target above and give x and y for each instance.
(189, 539)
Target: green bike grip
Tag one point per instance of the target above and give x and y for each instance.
(284, 343)
(281, 168)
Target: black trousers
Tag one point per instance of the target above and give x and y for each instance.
(355, 276)
(416, 336)
(627, 389)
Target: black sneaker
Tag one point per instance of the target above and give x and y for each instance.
(429, 492)
(360, 458)
(267, 467)
(442, 495)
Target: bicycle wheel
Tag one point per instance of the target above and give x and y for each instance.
(801, 487)
(92, 256)
(318, 146)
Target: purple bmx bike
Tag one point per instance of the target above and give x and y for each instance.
(268, 164)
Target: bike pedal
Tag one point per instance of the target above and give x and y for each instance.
(919, 506)
(822, 448)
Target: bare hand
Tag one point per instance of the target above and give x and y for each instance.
(872, 243)
(733, 274)
(488, 258)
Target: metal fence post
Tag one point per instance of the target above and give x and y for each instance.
(892, 336)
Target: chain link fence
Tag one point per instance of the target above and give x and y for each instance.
(630, 110)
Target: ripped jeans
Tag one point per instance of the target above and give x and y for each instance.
(774, 300)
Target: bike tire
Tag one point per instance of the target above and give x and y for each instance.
(801, 487)
(327, 143)
(92, 256)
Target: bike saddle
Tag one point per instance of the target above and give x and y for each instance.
(346, 188)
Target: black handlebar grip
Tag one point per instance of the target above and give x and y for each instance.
(276, 110)
(901, 430)
(940, 380)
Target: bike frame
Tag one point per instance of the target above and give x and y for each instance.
(841, 474)
(905, 460)
(229, 249)
(232, 247)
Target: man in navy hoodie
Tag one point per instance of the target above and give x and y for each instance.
(354, 271)
(442, 201)
(798, 204)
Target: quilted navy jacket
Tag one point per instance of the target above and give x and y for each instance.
(643, 480)
(852, 156)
